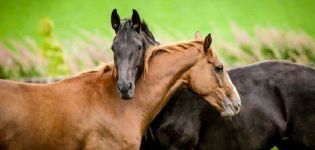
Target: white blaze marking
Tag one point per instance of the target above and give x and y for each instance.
(233, 87)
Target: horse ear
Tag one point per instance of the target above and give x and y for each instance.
(115, 20)
(207, 43)
(136, 21)
(198, 36)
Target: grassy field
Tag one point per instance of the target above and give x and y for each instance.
(173, 18)
(244, 31)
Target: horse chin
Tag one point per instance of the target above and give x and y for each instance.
(126, 95)
(228, 112)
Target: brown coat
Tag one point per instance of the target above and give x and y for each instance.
(84, 112)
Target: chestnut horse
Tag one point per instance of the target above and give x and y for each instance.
(84, 112)
(132, 39)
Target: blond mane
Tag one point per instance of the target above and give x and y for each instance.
(101, 69)
(170, 48)
(152, 51)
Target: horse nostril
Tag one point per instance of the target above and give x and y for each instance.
(130, 85)
(238, 104)
(238, 107)
(230, 105)
(235, 107)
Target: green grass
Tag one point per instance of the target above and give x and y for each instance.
(176, 18)
(84, 27)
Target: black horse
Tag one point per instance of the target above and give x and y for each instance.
(278, 109)
(132, 38)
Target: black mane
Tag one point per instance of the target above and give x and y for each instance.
(145, 29)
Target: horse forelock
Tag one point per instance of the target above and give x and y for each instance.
(126, 25)
(170, 48)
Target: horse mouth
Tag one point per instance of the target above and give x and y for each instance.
(125, 96)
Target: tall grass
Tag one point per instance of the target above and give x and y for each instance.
(24, 59)
(19, 59)
(267, 44)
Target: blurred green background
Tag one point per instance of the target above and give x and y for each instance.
(62, 37)
(20, 18)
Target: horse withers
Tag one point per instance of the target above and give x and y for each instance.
(85, 112)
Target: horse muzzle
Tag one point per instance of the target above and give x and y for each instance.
(125, 90)
(230, 108)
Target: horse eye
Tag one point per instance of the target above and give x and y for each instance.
(139, 47)
(218, 69)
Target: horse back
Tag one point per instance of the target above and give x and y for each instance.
(33, 114)
(298, 93)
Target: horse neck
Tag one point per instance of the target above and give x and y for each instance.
(160, 83)
(153, 91)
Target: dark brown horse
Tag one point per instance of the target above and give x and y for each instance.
(85, 112)
(132, 39)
